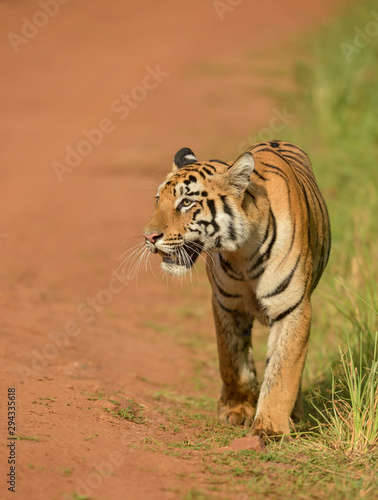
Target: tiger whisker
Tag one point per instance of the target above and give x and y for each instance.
(133, 254)
(132, 238)
(134, 271)
(132, 260)
(199, 252)
(140, 244)
(144, 256)
(187, 263)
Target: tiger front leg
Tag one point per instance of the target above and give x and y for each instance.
(239, 394)
(280, 392)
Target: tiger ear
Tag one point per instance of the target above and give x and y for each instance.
(240, 171)
(183, 158)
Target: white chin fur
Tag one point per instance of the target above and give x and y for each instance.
(174, 269)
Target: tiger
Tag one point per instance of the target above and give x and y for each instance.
(264, 227)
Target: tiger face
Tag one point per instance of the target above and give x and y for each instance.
(199, 208)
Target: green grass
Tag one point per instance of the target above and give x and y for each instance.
(337, 101)
(294, 470)
(194, 494)
(123, 408)
(75, 496)
(350, 419)
(304, 467)
(198, 403)
(66, 472)
(36, 467)
(44, 401)
(91, 437)
(37, 439)
(127, 410)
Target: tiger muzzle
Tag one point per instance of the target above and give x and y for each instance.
(184, 256)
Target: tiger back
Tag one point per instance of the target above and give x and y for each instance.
(264, 226)
(319, 237)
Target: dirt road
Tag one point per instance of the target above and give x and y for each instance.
(96, 98)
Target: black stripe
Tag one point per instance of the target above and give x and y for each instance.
(263, 240)
(294, 154)
(309, 189)
(209, 172)
(298, 159)
(265, 256)
(252, 196)
(211, 205)
(285, 283)
(279, 175)
(222, 291)
(314, 190)
(291, 145)
(259, 175)
(268, 149)
(290, 309)
(220, 161)
(211, 166)
(319, 271)
(305, 174)
(226, 208)
(223, 307)
(278, 171)
(285, 157)
(274, 167)
(196, 213)
(308, 217)
(258, 274)
(228, 211)
(227, 268)
(301, 165)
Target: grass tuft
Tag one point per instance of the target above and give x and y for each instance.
(133, 412)
(350, 422)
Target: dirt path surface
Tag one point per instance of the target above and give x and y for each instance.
(96, 97)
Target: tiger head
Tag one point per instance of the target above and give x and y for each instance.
(199, 208)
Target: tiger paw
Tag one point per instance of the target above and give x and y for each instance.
(269, 428)
(237, 414)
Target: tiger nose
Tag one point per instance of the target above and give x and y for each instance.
(152, 237)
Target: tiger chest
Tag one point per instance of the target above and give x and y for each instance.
(233, 290)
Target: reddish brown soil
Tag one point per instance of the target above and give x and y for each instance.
(60, 241)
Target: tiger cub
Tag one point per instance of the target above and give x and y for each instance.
(264, 226)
